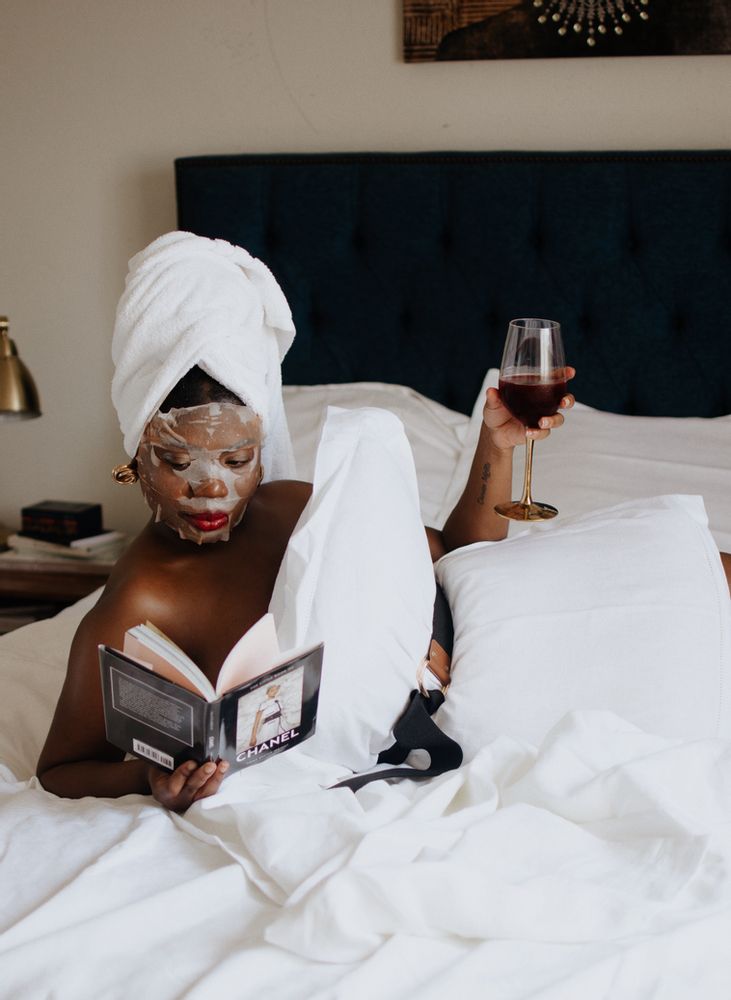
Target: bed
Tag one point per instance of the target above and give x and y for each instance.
(582, 849)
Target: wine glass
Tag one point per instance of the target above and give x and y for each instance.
(532, 385)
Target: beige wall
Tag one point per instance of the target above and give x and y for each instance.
(97, 97)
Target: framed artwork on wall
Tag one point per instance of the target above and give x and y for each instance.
(442, 30)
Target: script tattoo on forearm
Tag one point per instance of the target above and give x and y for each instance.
(484, 477)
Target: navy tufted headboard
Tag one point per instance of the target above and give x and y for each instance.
(407, 267)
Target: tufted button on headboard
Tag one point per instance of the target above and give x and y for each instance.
(407, 267)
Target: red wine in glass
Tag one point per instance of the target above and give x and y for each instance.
(532, 384)
(529, 399)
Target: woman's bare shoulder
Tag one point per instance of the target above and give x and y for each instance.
(136, 591)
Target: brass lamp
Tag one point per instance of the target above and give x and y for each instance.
(18, 393)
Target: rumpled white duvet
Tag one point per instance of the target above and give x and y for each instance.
(595, 865)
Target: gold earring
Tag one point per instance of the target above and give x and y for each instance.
(261, 475)
(126, 474)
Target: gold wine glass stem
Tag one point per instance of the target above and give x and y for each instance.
(526, 500)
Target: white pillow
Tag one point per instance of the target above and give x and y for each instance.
(357, 574)
(436, 434)
(597, 459)
(625, 609)
(33, 666)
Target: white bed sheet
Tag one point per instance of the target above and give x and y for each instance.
(596, 460)
(598, 864)
(436, 434)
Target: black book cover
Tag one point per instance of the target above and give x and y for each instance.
(155, 719)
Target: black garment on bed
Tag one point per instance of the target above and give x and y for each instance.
(415, 728)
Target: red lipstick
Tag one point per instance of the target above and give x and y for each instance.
(210, 520)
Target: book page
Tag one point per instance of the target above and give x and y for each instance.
(256, 652)
(152, 648)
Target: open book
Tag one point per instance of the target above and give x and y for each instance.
(159, 705)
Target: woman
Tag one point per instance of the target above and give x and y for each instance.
(203, 569)
(269, 720)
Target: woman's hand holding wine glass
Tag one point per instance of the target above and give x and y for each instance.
(533, 377)
(508, 431)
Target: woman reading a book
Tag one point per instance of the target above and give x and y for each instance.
(201, 330)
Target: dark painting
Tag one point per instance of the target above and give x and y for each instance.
(436, 30)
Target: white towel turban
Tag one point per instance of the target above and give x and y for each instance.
(193, 301)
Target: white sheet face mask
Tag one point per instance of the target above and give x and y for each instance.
(199, 467)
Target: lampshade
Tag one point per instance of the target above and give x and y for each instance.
(18, 393)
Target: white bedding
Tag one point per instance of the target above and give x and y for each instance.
(595, 865)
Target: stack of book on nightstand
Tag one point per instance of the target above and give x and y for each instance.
(55, 529)
(103, 548)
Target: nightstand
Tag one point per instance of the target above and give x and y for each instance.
(30, 590)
